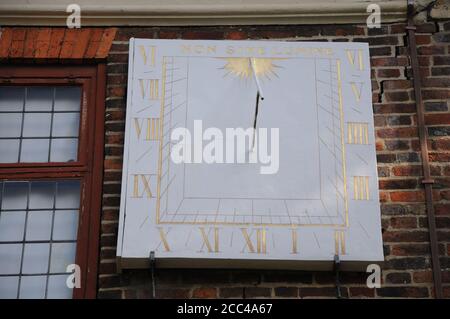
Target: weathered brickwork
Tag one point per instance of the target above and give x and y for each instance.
(407, 271)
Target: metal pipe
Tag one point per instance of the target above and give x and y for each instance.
(423, 136)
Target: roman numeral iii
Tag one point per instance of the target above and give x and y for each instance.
(361, 187)
(357, 133)
(152, 126)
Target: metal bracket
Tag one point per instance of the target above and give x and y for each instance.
(336, 268)
(152, 260)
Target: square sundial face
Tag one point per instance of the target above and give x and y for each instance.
(300, 188)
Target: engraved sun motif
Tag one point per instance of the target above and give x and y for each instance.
(242, 67)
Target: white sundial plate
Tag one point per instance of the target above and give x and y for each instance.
(322, 201)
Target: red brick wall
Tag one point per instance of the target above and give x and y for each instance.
(407, 271)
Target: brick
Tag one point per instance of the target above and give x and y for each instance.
(389, 61)
(385, 40)
(442, 144)
(30, 43)
(422, 277)
(394, 108)
(393, 145)
(231, 292)
(407, 196)
(56, 39)
(17, 43)
(255, 292)
(439, 131)
(406, 250)
(342, 30)
(395, 120)
(410, 292)
(202, 35)
(288, 276)
(441, 37)
(105, 42)
(411, 157)
(383, 30)
(124, 34)
(386, 158)
(329, 292)
(110, 294)
(435, 94)
(176, 293)
(422, 39)
(398, 28)
(286, 292)
(168, 35)
(441, 60)
(43, 42)
(429, 27)
(109, 281)
(397, 96)
(204, 293)
(361, 292)
(430, 50)
(440, 71)
(442, 209)
(212, 276)
(398, 278)
(94, 43)
(383, 172)
(236, 35)
(409, 170)
(405, 236)
(80, 45)
(403, 222)
(380, 51)
(436, 82)
(397, 84)
(5, 42)
(398, 184)
(437, 119)
(401, 132)
(406, 263)
(388, 73)
(70, 37)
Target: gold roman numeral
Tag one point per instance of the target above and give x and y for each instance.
(357, 89)
(355, 58)
(148, 54)
(153, 126)
(163, 237)
(149, 88)
(361, 187)
(294, 236)
(260, 241)
(339, 242)
(141, 186)
(357, 133)
(206, 241)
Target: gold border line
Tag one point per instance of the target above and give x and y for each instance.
(344, 175)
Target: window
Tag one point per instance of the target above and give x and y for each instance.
(51, 152)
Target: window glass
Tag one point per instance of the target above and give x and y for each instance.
(39, 124)
(38, 233)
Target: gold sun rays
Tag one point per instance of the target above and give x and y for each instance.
(242, 67)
